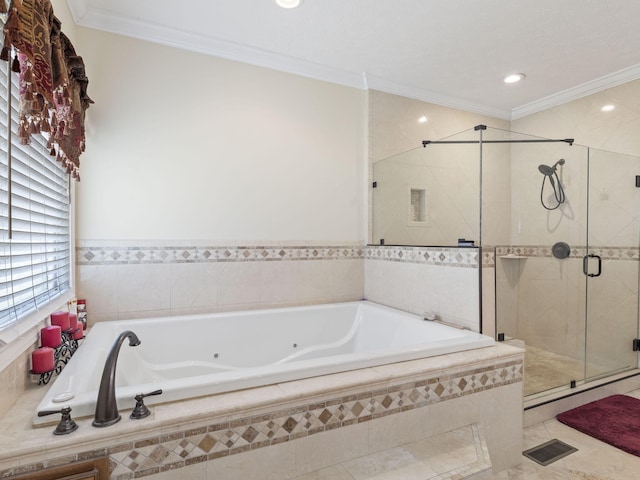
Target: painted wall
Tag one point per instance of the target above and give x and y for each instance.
(61, 10)
(186, 146)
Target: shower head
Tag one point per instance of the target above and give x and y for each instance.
(547, 170)
(556, 185)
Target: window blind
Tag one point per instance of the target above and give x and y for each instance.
(35, 261)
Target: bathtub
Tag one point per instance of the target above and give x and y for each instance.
(191, 356)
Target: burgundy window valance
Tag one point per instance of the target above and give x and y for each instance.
(53, 83)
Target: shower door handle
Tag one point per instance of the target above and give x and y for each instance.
(585, 265)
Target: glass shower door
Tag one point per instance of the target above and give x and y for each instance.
(611, 264)
(540, 289)
(567, 278)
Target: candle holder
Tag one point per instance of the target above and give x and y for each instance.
(44, 376)
(62, 354)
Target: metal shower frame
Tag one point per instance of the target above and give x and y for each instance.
(480, 142)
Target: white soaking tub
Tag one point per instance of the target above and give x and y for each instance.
(191, 356)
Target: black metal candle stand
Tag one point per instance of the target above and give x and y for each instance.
(61, 355)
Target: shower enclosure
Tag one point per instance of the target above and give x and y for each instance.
(557, 228)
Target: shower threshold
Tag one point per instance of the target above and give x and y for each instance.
(541, 409)
(550, 376)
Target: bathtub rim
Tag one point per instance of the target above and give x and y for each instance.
(249, 378)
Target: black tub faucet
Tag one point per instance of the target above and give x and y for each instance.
(106, 406)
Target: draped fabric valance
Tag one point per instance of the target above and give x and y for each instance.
(53, 83)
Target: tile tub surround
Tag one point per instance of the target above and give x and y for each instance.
(135, 279)
(367, 410)
(441, 280)
(15, 380)
(123, 280)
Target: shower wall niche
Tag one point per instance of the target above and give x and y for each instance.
(515, 196)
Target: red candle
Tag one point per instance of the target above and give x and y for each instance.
(61, 319)
(50, 336)
(73, 321)
(79, 332)
(42, 360)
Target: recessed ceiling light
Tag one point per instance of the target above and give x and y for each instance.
(423, 119)
(608, 108)
(289, 3)
(514, 77)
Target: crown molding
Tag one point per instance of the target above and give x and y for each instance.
(87, 16)
(589, 88)
(378, 83)
(101, 20)
(161, 34)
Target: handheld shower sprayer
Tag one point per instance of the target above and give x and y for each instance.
(549, 171)
(558, 191)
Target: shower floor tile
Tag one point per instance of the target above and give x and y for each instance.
(544, 370)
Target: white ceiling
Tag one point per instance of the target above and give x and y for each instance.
(450, 52)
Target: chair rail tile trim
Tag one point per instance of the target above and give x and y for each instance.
(442, 256)
(122, 255)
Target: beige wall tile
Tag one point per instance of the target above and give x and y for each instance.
(143, 287)
(276, 462)
(194, 285)
(99, 284)
(394, 430)
(383, 464)
(332, 447)
(337, 472)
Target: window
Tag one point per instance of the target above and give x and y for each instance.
(35, 260)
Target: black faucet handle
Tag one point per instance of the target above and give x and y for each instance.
(141, 410)
(67, 424)
(143, 395)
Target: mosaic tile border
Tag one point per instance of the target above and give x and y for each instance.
(182, 448)
(118, 255)
(447, 256)
(482, 452)
(579, 251)
(488, 256)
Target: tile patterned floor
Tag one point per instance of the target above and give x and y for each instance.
(594, 460)
(461, 453)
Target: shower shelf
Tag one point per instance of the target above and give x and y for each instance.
(512, 256)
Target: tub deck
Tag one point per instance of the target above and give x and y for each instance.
(483, 385)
